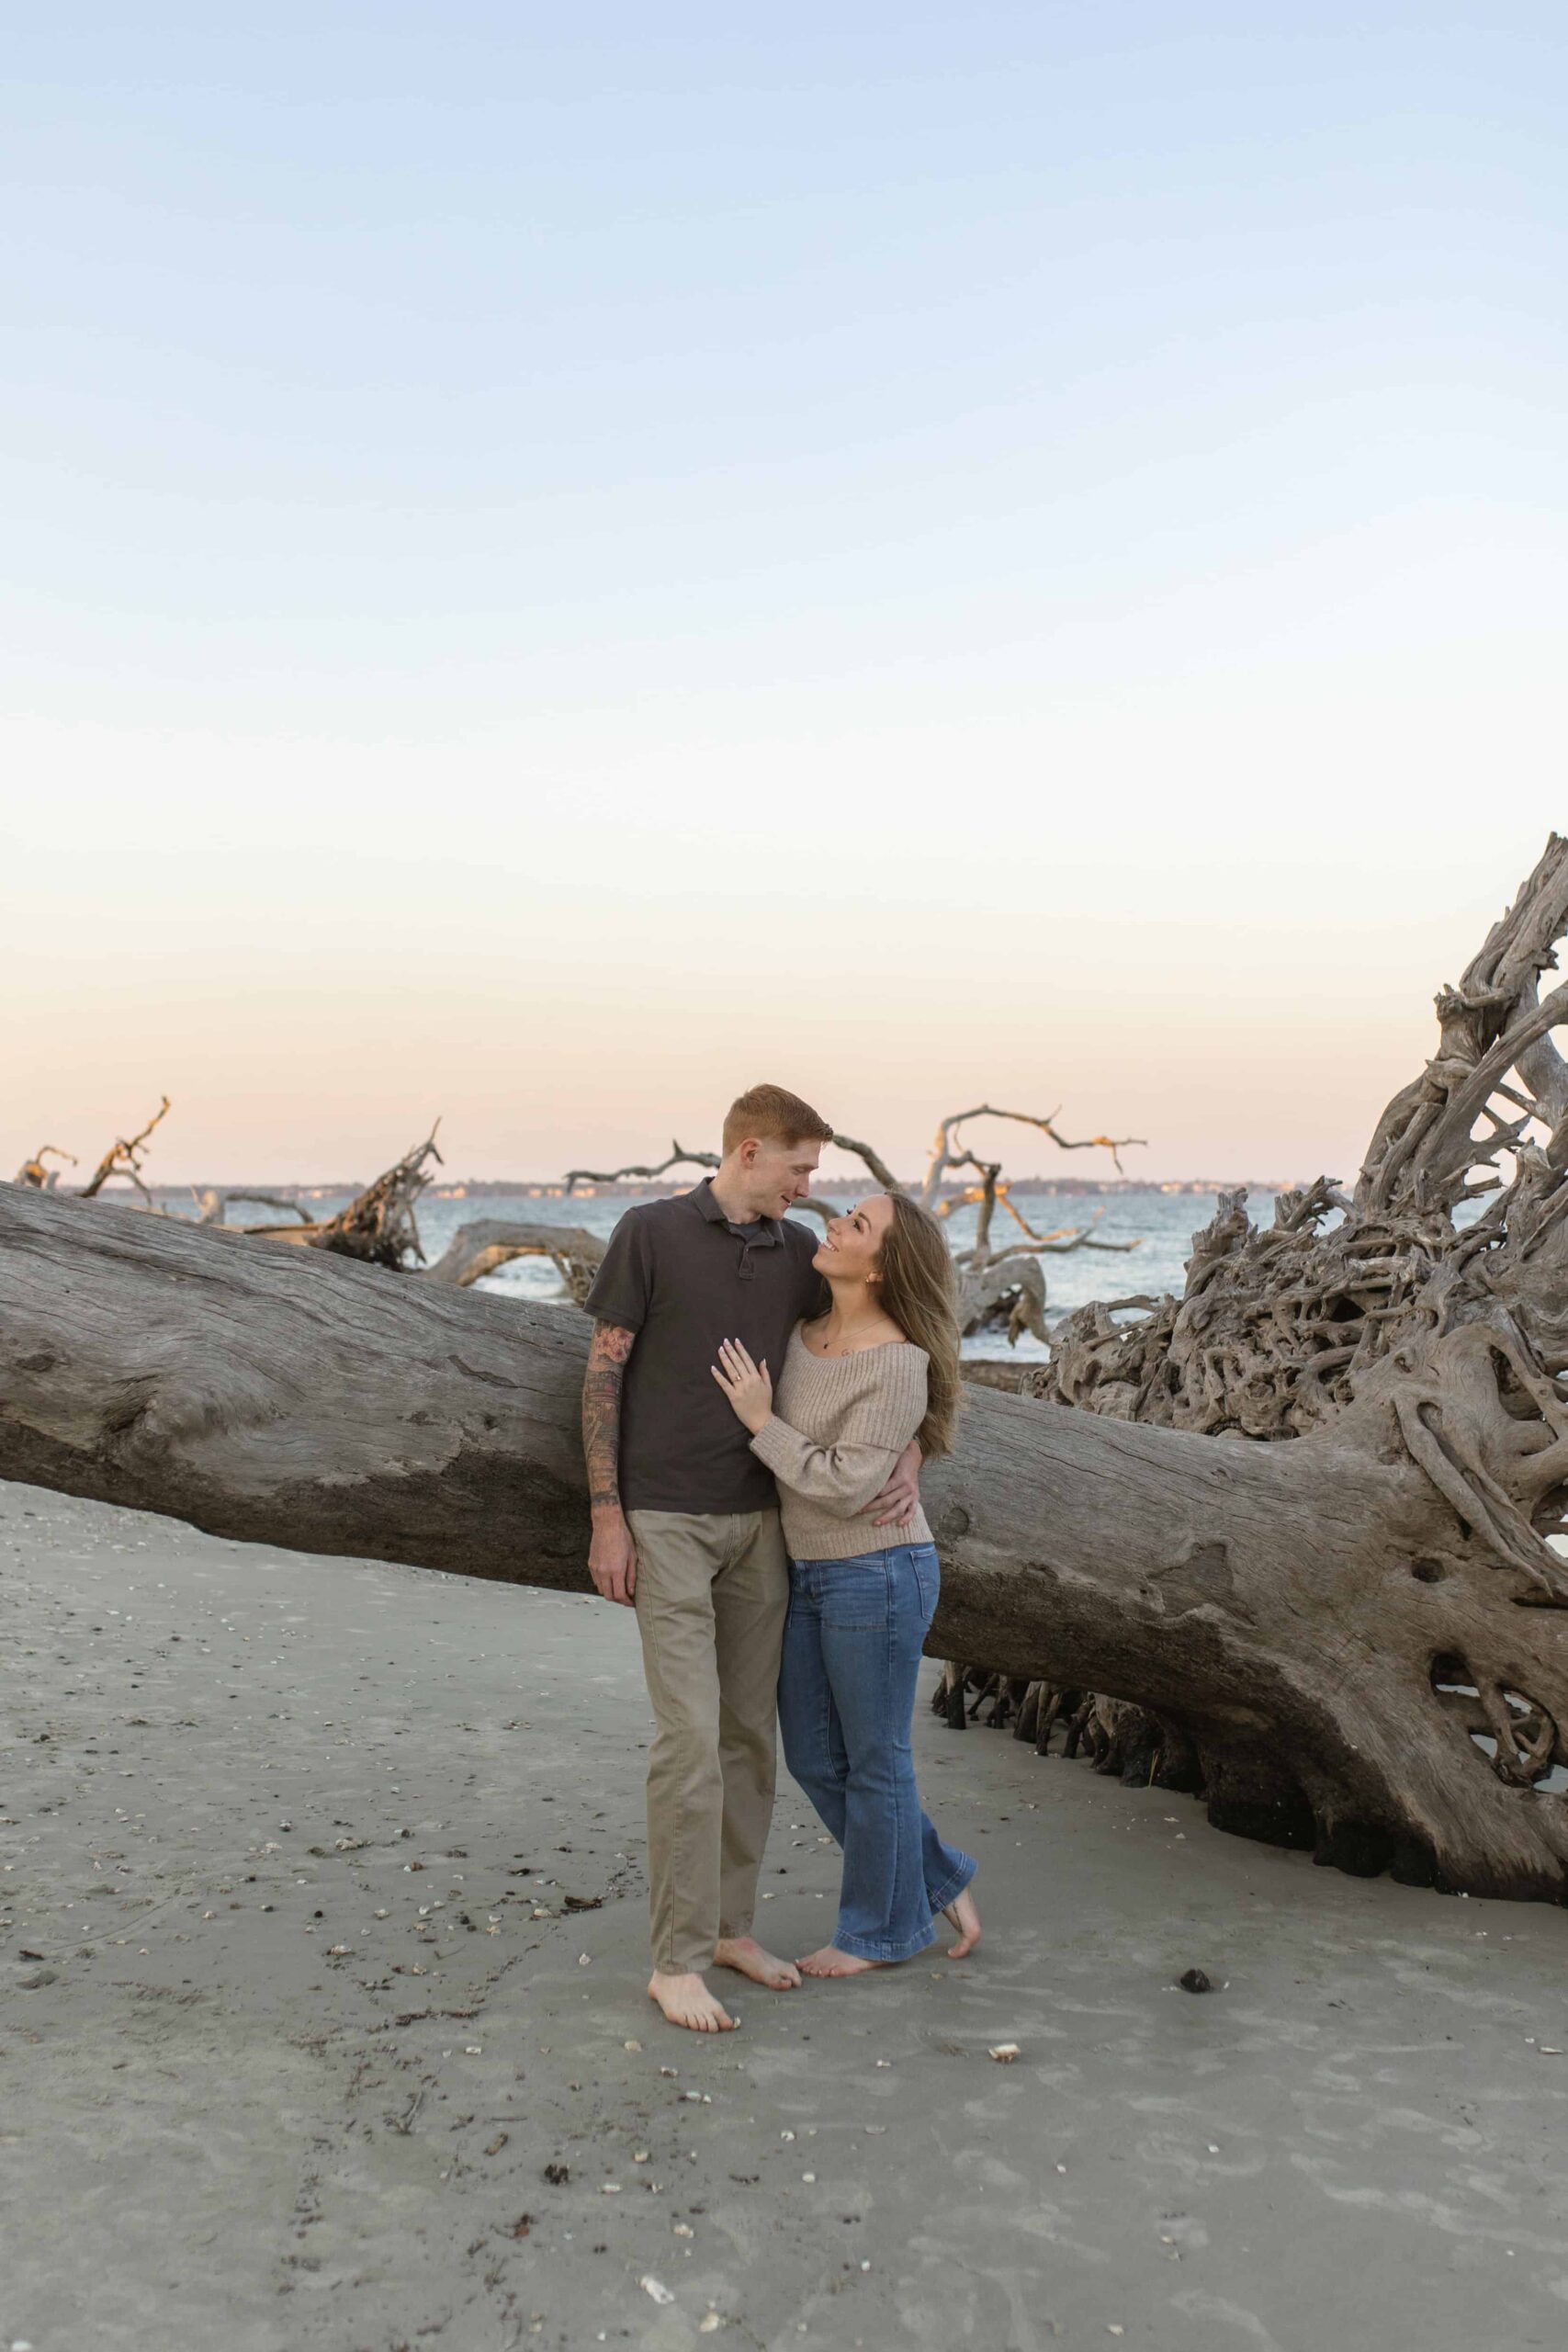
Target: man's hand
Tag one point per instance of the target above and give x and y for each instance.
(900, 1498)
(612, 1558)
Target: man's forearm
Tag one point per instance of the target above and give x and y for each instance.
(900, 1499)
(601, 1385)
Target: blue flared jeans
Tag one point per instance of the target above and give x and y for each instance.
(851, 1653)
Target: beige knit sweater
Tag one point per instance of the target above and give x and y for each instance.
(840, 1424)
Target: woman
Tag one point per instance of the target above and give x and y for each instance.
(880, 1367)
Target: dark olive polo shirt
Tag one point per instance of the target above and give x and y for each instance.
(680, 1276)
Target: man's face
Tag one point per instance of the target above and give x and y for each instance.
(778, 1174)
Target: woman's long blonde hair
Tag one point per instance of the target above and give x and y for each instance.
(918, 1288)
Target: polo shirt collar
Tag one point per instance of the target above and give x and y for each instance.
(700, 1197)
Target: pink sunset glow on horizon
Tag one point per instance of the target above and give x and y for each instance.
(556, 1020)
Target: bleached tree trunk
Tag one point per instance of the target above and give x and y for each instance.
(1283, 1605)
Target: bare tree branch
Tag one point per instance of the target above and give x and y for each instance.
(985, 1192)
(1062, 1245)
(33, 1171)
(873, 1160)
(948, 1151)
(124, 1158)
(678, 1158)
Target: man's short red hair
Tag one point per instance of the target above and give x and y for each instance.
(773, 1114)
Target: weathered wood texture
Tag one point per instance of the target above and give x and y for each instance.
(289, 1395)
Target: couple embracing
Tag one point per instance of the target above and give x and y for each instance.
(755, 1411)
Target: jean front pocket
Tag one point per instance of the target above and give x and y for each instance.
(854, 1594)
(926, 1571)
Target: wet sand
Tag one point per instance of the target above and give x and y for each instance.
(304, 2043)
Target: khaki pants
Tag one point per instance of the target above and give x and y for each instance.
(712, 1594)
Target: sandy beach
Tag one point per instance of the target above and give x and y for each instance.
(322, 1944)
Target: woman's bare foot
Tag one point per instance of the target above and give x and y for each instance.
(746, 1955)
(962, 1913)
(686, 2000)
(832, 1961)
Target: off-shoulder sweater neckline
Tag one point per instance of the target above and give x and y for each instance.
(881, 1347)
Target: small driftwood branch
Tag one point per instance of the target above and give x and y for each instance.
(985, 1192)
(1061, 1238)
(948, 1151)
(992, 1193)
(33, 1171)
(679, 1157)
(873, 1160)
(1060, 1246)
(124, 1158)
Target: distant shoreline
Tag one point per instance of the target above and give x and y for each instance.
(552, 1188)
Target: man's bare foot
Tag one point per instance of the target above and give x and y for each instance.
(962, 1913)
(686, 2000)
(832, 1961)
(745, 1954)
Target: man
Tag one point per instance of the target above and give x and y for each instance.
(686, 1525)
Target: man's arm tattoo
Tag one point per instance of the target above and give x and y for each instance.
(607, 1353)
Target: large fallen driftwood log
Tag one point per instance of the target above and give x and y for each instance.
(1292, 1609)
(1351, 1634)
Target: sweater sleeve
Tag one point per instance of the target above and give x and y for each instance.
(846, 1476)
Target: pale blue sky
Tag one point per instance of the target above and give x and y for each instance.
(544, 564)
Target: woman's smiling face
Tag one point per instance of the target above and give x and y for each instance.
(853, 1243)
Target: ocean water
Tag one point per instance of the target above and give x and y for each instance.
(1160, 1224)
